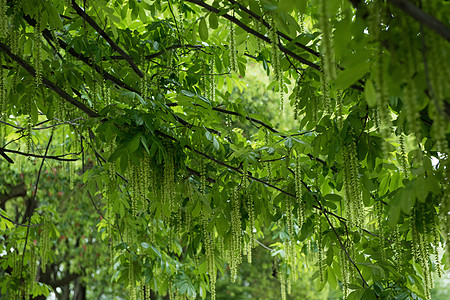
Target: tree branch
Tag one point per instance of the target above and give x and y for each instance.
(54, 157)
(19, 224)
(63, 45)
(423, 17)
(100, 31)
(32, 201)
(281, 34)
(345, 250)
(255, 33)
(48, 83)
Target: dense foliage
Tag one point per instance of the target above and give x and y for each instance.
(137, 99)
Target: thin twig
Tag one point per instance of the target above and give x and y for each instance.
(33, 199)
(345, 251)
(19, 224)
(54, 157)
(48, 83)
(423, 17)
(100, 31)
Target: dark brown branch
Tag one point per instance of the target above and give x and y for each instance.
(33, 200)
(255, 33)
(12, 125)
(116, 47)
(253, 120)
(281, 34)
(83, 58)
(19, 224)
(229, 112)
(237, 170)
(48, 83)
(196, 173)
(321, 161)
(423, 18)
(3, 154)
(345, 251)
(54, 157)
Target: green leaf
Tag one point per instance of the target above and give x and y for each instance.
(216, 144)
(213, 21)
(188, 93)
(369, 295)
(369, 93)
(203, 30)
(133, 145)
(350, 75)
(289, 143)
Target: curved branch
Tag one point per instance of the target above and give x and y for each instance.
(32, 201)
(281, 34)
(422, 17)
(63, 45)
(100, 31)
(54, 157)
(19, 224)
(48, 83)
(255, 33)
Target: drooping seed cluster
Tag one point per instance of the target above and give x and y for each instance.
(2, 86)
(297, 97)
(3, 18)
(327, 44)
(439, 75)
(212, 80)
(37, 53)
(236, 237)
(259, 26)
(268, 163)
(143, 88)
(187, 215)
(169, 180)
(140, 177)
(251, 227)
(73, 149)
(375, 26)
(29, 126)
(32, 267)
(437, 247)
(320, 251)
(208, 240)
(420, 245)
(45, 242)
(131, 280)
(380, 219)
(251, 213)
(353, 198)
(289, 244)
(202, 172)
(397, 247)
(403, 160)
(283, 286)
(273, 35)
(345, 274)
(324, 84)
(299, 192)
(232, 42)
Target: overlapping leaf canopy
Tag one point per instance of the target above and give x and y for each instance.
(187, 177)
